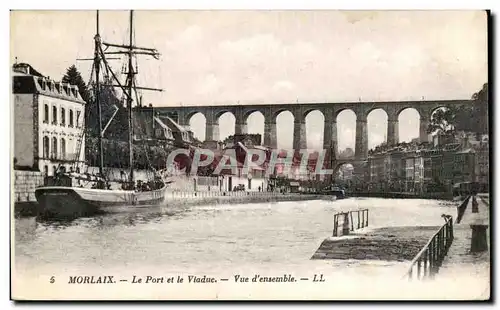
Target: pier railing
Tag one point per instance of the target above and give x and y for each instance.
(348, 219)
(427, 262)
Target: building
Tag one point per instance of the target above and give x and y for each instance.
(464, 166)
(377, 166)
(48, 122)
(409, 164)
(483, 163)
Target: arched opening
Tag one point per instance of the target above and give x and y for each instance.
(344, 175)
(197, 123)
(255, 124)
(315, 124)
(409, 125)
(284, 130)
(227, 123)
(377, 128)
(346, 133)
(441, 120)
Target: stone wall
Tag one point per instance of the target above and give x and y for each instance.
(25, 183)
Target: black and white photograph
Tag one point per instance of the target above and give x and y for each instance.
(250, 155)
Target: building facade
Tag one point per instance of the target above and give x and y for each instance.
(48, 123)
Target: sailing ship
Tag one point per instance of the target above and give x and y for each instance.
(71, 193)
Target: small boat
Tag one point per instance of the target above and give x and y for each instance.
(80, 194)
(336, 191)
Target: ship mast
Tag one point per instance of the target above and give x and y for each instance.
(97, 65)
(130, 79)
(129, 50)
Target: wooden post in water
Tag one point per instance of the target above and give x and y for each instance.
(335, 225)
(345, 226)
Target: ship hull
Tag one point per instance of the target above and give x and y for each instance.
(76, 201)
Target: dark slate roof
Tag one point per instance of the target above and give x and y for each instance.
(31, 84)
(32, 71)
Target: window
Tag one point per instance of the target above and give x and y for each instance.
(63, 148)
(70, 118)
(46, 113)
(63, 117)
(54, 115)
(46, 170)
(54, 147)
(77, 119)
(46, 147)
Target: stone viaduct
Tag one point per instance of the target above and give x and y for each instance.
(183, 114)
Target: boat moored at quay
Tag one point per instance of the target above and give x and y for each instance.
(71, 193)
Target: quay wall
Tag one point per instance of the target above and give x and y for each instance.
(208, 198)
(402, 195)
(25, 183)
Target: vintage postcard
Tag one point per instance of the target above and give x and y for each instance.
(250, 155)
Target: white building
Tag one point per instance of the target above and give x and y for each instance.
(48, 122)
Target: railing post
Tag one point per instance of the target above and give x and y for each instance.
(434, 257)
(443, 242)
(367, 214)
(425, 263)
(431, 261)
(438, 254)
(345, 226)
(352, 222)
(362, 218)
(359, 221)
(418, 268)
(451, 228)
(335, 225)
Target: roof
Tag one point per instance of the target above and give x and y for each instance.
(22, 67)
(466, 151)
(294, 184)
(30, 84)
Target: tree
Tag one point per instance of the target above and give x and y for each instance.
(74, 77)
(471, 117)
(479, 111)
(444, 120)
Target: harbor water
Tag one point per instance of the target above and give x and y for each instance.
(218, 241)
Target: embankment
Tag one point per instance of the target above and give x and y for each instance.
(203, 198)
(403, 195)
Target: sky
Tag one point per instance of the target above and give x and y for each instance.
(266, 57)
